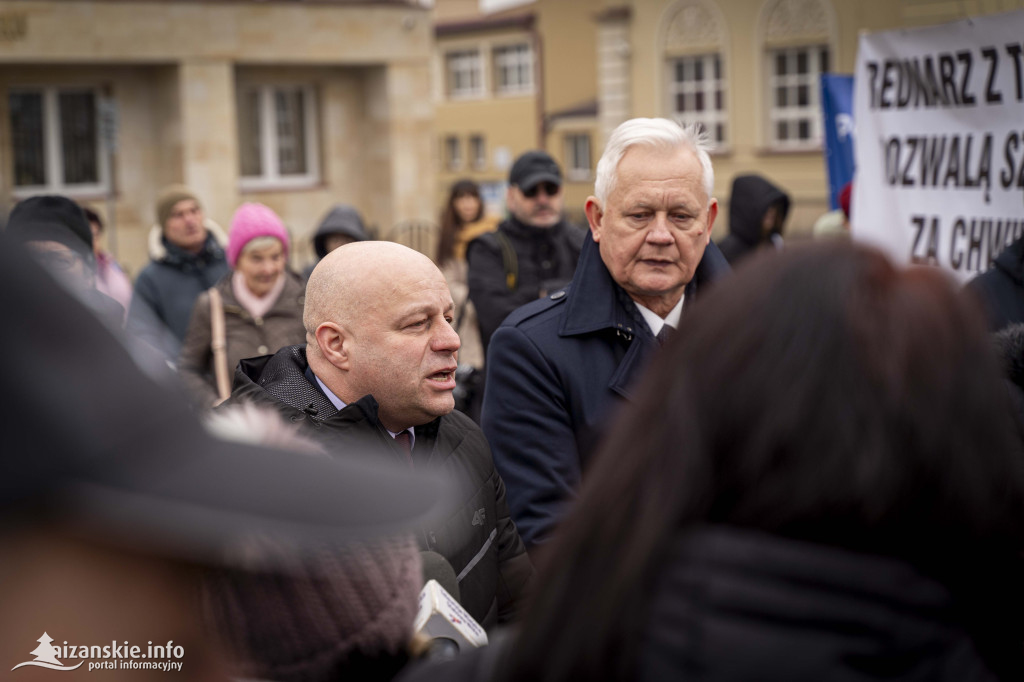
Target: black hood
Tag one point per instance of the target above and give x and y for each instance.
(750, 197)
(341, 219)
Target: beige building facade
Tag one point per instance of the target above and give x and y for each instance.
(746, 69)
(486, 88)
(749, 70)
(296, 106)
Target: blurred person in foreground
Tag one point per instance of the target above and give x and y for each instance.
(377, 375)
(462, 221)
(339, 612)
(186, 259)
(112, 494)
(559, 368)
(110, 278)
(818, 481)
(260, 306)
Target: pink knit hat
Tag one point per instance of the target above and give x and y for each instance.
(250, 221)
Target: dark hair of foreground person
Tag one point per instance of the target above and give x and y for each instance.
(833, 432)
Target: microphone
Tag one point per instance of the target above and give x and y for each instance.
(436, 567)
(441, 620)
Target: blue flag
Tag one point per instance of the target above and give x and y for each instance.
(837, 103)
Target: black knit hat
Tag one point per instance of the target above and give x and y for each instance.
(52, 217)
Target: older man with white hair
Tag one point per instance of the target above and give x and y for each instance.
(558, 368)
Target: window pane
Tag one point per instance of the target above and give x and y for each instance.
(680, 71)
(78, 137)
(719, 132)
(680, 102)
(824, 61)
(698, 70)
(27, 138)
(699, 101)
(513, 65)
(801, 61)
(249, 146)
(452, 152)
(720, 100)
(793, 96)
(578, 153)
(477, 151)
(291, 132)
(802, 95)
(780, 64)
(718, 67)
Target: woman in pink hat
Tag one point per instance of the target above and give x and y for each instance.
(259, 311)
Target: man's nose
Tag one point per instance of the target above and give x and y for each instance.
(660, 232)
(446, 339)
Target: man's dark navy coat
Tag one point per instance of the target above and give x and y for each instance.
(557, 371)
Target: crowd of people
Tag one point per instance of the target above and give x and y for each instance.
(639, 453)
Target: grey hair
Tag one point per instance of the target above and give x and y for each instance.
(652, 132)
(259, 243)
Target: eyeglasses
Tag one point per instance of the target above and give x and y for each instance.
(549, 188)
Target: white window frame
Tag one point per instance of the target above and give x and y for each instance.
(478, 151)
(452, 152)
(271, 177)
(512, 58)
(710, 116)
(468, 60)
(793, 113)
(53, 159)
(573, 170)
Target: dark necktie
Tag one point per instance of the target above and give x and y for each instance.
(665, 334)
(404, 441)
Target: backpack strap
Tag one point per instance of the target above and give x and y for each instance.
(508, 260)
(218, 344)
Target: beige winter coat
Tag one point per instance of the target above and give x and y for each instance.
(245, 336)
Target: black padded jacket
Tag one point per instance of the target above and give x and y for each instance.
(477, 535)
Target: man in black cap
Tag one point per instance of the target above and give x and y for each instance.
(531, 254)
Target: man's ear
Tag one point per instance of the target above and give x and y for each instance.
(334, 343)
(712, 214)
(594, 217)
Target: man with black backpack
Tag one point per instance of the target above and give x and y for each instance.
(532, 254)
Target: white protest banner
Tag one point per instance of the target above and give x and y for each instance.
(940, 142)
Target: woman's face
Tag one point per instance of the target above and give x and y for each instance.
(261, 267)
(466, 208)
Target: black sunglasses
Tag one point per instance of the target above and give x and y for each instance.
(550, 189)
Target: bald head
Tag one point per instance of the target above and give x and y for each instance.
(378, 322)
(350, 279)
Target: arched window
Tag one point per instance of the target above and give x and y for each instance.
(798, 39)
(692, 39)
